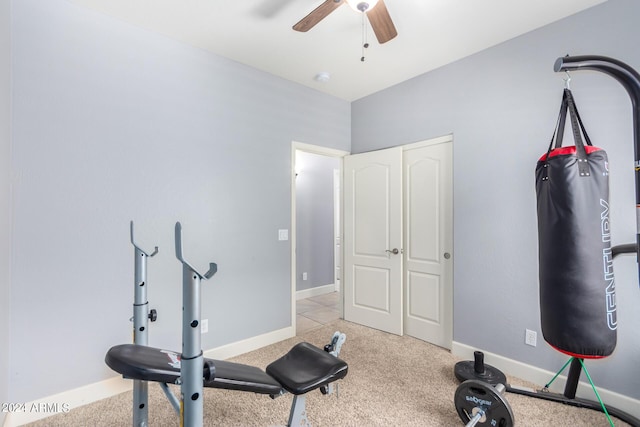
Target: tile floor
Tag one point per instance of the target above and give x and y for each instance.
(316, 311)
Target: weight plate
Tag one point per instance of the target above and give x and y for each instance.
(477, 394)
(465, 371)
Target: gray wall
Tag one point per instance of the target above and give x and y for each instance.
(5, 196)
(314, 219)
(501, 105)
(113, 123)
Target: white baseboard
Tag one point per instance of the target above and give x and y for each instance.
(250, 344)
(541, 376)
(314, 292)
(67, 400)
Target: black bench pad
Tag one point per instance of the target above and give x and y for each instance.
(235, 376)
(153, 364)
(305, 368)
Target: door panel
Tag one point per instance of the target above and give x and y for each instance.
(422, 217)
(371, 288)
(423, 294)
(372, 229)
(370, 204)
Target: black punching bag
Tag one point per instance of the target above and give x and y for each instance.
(577, 288)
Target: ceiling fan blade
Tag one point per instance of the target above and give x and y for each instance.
(381, 23)
(318, 14)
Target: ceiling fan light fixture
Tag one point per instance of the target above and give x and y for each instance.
(362, 5)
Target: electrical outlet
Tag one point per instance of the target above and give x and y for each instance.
(204, 326)
(530, 337)
(304, 276)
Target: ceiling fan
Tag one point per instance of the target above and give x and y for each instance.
(375, 10)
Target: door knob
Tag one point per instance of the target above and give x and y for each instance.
(447, 255)
(394, 251)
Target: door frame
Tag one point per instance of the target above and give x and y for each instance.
(323, 151)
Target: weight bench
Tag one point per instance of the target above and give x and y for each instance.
(302, 369)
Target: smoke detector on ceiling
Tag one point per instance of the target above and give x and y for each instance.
(322, 77)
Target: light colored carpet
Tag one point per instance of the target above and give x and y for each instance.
(392, 381)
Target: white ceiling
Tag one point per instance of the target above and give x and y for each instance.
(431, 33)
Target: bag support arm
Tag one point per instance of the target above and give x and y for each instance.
(630, 79)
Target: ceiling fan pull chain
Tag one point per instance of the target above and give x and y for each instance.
(365, 43)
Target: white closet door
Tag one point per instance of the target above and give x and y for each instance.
(428, 279)
(373, 239)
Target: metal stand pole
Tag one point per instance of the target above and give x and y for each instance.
(571, 385)
(140, 319)
(298, 412)
(191, 372)
(630, 79)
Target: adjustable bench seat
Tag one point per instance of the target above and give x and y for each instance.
(235, 376)
(304, 368)
(153, 364)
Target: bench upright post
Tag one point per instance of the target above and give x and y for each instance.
(191, 360)
(140, 319)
